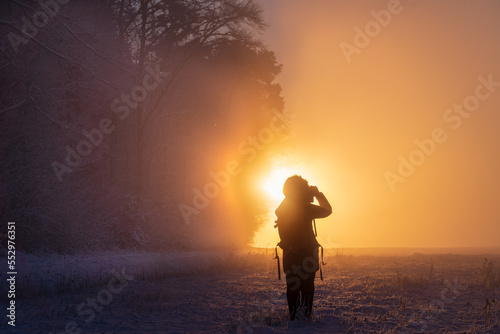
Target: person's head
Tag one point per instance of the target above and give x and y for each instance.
(296, 188)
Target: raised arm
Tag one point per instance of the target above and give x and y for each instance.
(324, 209)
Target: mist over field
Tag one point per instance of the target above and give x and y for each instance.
(368, 84)
(144, 145)
(119, 136)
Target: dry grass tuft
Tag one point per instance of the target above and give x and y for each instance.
(488, 277)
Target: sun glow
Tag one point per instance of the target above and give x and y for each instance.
(273, 184)
(272, 187)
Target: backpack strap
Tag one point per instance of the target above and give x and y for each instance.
(276, 257)
(320, 247)
(321, 263)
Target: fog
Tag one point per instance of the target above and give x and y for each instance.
(389, 107)
(362, 99)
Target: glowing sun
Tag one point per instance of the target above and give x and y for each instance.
(273, 184)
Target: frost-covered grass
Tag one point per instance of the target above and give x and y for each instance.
(230, 292)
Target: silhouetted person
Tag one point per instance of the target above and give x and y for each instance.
(300, 247)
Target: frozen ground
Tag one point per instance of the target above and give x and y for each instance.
(217, 292)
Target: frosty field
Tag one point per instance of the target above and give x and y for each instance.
(238, 292)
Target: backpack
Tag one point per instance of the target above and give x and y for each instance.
(292, 227)
(293, 231)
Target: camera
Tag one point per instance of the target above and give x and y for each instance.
(312, 191)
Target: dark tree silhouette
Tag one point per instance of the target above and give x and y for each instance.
(61, 82)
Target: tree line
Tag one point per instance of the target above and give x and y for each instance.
(111, 112)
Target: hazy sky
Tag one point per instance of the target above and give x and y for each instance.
(361, 100)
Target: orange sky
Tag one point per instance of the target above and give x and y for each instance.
(353, 119)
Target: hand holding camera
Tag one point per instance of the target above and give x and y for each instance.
(314, 191)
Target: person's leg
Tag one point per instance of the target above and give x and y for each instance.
(293, 283)
(311, 265)
(308, 294)
(292, 294)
